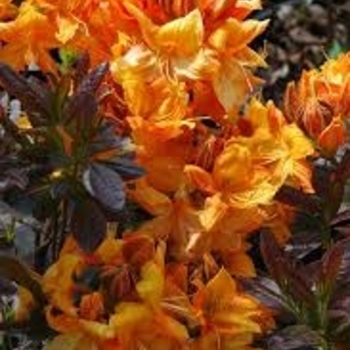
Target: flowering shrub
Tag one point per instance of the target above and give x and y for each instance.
(155, 169)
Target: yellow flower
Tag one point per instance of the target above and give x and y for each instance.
(234, 80)
(181, 37)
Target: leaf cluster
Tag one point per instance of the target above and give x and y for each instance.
(68, 160)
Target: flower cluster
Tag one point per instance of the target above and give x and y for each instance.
(125, 296)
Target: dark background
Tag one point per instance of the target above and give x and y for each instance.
(302, 34)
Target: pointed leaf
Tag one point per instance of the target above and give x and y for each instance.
(331, 264)
(93, 80)
(12, 269)
(33, 100)
(283, 270)
(81, 68)
(88, 225)
(265, 290)
(7, 287)
(296, 198)
(105, 185)
(80, 107)
(126, 168)
(295, 338)
(341, 219)
(107, 139)
(343, 169)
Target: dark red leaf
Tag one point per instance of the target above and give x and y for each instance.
(138, 249)
(126, 168)
(88, 225)
(341, 223)
(330, 265)
(80, 107)
(343, 170)
(34, 100)
(93, 80)
(265, 290)
(290, 278)
(295, 338)
(105, 185)
(296, 198)
(81, 69)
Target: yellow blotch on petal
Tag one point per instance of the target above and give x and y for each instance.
(71, 341)
(223, 308)
(150, 288)
(180, 37)
(60, 295)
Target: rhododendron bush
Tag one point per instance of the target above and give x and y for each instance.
(174, 208)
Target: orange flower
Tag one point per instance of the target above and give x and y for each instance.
(246, 176)
(7, 10)
(319, 101)
(179, 38)
(162, 153)
(303, 105)
(37, 37)
(61, 295)
(147, 92)
(332, 137)
(219, 56)
(251, 169)
(175, 219)
(234, 80)
(227, 316)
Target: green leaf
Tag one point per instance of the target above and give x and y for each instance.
(335, 49)
(68, 58)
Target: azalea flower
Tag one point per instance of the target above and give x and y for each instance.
(246, 176)
(220, 56)
(174, 218)
(234, 80)
(229, 318)
(318, 103)
(148, 94)
(162, 155)
(7, 10)
(37, 37)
